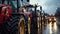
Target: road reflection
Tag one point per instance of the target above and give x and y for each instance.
(51, 28)
(55, 26)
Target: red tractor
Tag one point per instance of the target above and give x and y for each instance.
(8, 22)
(26, 12)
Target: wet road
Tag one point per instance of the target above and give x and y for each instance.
(51, 29)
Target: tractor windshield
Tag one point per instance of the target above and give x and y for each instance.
(13, 4)
(30, 9)
(0, 1)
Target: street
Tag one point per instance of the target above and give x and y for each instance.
(51, 29)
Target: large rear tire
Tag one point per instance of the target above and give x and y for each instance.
(12, 25)
(21, 26)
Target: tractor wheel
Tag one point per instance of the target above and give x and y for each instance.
(12, 25)
(29, 21)
(21, 27)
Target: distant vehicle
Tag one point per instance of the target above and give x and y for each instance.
(53, 19)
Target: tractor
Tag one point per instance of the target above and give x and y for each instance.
(28, 12)
(8, 17)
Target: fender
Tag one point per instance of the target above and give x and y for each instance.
(5, 14)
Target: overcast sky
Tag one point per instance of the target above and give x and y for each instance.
(49, 6)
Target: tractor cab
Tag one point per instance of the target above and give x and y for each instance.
(32, 10)
(27, 10)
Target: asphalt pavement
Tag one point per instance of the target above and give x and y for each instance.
(51, 29)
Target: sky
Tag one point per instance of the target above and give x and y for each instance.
(49, 6)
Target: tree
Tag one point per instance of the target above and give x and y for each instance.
(57, 13)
